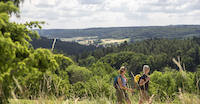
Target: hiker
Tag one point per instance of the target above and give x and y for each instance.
(143, 85)
(121, 87)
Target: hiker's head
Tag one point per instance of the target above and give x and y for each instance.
(146, 69)
(122, 70)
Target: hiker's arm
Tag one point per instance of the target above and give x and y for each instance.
(120, 84)
(142, 82)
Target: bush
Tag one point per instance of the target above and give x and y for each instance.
(77, 73)
(162, 84)
(167, 84)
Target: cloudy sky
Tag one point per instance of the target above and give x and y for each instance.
(67, 14)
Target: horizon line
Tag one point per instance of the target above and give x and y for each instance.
(117, 27)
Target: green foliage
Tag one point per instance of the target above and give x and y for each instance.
(158, 53)
(166, 84)
(42, 59)
(98, 83)
(134, 61)
(77, 73)
(8, 7)
(37, 74)
(101, 69)
(185, 80)
(100, 86)
(18, 61)
(15, 2)
(163, 84)
(63, 62)
(78, 90)
(7, 53)
(88, 61)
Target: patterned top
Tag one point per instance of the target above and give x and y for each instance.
(146, 85)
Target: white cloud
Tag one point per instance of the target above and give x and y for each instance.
(106, 13)
(90, 2)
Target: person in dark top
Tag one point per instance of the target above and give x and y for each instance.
(144, 84)
(122, 88)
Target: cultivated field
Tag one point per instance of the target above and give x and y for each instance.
(112, 40)
(94, 39)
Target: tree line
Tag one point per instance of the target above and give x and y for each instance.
(156, 52)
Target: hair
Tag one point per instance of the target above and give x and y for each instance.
(145, 67)
(122, 69)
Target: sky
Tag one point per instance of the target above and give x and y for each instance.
(74, 14)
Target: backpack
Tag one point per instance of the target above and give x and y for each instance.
(115, 84)
(137, 78)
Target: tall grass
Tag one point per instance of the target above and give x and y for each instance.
(181, 98)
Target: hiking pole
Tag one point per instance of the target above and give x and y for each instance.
(133, 78)
(136, 83)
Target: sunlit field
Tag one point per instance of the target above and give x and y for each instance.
(112, 41)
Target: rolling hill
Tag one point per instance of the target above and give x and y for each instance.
(134, 33)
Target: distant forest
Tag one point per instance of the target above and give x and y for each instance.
(134, 33)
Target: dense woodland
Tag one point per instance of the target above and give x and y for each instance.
(158, 53)
(32, 73)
